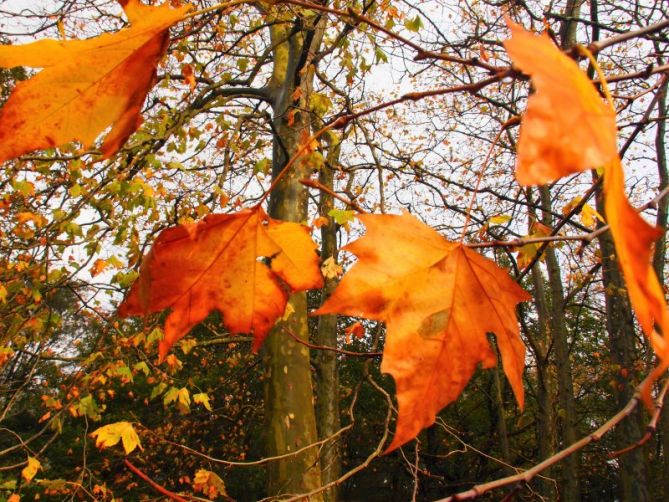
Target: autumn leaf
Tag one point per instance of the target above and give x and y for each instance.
(203, 399)
(111, 434)
(439, 301)
(634, 239)
(86, 85)
(245, 265)
(354, 330)
(189, 76)
(567, 128)
(98, 267)
(30, 470)
(209, 483)
(331, 269)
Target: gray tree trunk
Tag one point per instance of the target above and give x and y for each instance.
(289, 409)
(325, 362)
(570, 489)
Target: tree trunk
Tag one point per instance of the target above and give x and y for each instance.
(545, 382)
(498, 399)
(325, 362)
(289, 410)
(659, 255)
(622, 344)
(570, 489)
(540, 344)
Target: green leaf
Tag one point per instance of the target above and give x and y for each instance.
(262, 166)
(123, 372)
(141, 366)
(158, 390)
(414, 24)
(10, 484)
(380, 56)
(342, 216)
(155, 336)
(26, 188)
(88, 407)
(170, 396)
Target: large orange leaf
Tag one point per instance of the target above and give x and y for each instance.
(634, 239)
(567, 127)
(244, 265)
(86, 85)
(439, 301)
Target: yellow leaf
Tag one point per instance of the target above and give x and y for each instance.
(590, 216)
(30, 470)
(290, 310)
(203, 399)
(111, 434)
(499, 219)
(187, 345)
(331, 269)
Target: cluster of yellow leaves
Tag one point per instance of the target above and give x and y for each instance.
(86, 85)
(567, 128)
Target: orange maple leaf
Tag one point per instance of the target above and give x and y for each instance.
(86, 85)
(439, 301)
(634, 238)
(567, 128)
(216, 265)
(354, 330)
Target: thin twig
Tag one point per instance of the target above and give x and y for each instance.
(595, 47)
(650, 428)
(251, 463)
(332, 349)
(527, 476)
(318, 185)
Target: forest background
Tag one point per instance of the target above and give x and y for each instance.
(320, 111)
